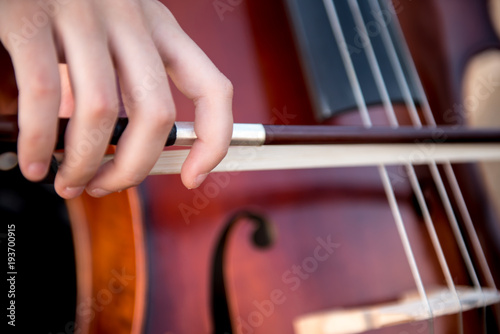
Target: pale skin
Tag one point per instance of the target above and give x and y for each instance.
(140, 43)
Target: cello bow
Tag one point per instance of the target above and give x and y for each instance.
(302, 146)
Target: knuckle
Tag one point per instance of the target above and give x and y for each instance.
(160, 119)
(37, 138)
(163, 120)
(226, 87)
(100, 105)
(132, 178)
(220, 151)
(43, 84)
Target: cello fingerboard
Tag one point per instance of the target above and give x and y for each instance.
(320, 54)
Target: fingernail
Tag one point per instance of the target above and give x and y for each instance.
(199, 180)
(37, 170)
(98, 192)
(72, 192)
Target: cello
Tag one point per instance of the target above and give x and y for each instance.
(360, 259)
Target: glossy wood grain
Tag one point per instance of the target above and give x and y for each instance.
(345, 208)
(111, 263)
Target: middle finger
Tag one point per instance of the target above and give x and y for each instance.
(94, 86)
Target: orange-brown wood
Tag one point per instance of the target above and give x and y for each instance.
(111, 263)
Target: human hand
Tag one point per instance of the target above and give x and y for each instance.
(137, 41)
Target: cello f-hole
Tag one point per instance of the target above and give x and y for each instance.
(262, 237)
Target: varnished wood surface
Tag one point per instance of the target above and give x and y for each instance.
(111, 263)
(253, 47)
(334, 223)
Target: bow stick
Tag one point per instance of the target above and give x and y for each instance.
(261, 147)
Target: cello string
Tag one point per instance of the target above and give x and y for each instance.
(443, 194)
(396, 65)
(429, 117)
(360, 101)
(447, 166)
(370, 56)
(389, 110)
(411, 106)
(464, 211)
(348, 65)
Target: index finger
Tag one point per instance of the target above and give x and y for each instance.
(212, 93)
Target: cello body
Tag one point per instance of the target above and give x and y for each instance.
(335, 241)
